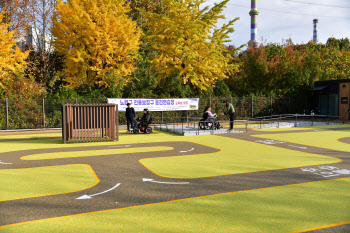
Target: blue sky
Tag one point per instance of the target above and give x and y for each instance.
(275, 26)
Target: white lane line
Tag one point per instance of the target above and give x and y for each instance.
(299, 147)
(90, 196)
(5, 163)
(158, 182)
(119, 146)
(185, 151)
(269, 142)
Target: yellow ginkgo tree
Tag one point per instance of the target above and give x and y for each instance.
(12, 59)
(98, 40)
(184, 41)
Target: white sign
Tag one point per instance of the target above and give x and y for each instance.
(156, 105)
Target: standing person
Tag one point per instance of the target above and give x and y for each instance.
(230, 110)
(130, 115)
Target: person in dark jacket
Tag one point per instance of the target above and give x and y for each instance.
(144, 119)
(230, 110)
(130, 115)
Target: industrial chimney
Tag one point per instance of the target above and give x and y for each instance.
(315, 30)
(254, 24)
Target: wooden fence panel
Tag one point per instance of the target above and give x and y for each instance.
(90, 122)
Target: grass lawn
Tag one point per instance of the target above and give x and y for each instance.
(279, 209)
(41, 181)
(323, 139)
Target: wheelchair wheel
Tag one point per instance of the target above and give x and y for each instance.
(201, 124)
(148, 130)
(208, 125)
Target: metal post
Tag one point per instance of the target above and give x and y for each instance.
(64, 125)
(7, 113)
(271, 106)
(252, 107)
(182, 128)
(162, 117)
(76, 101)
(198, 127)
(117, 121)
(43, 112)
(209, 101)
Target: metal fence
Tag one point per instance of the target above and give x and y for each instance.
(47, 113)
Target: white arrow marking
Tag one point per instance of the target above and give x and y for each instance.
(304, 148)
(90, 196)
(153, 181)
(4, 163)
(187, 151)
(119, 146)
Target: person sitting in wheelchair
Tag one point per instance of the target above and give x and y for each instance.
(209, 120)
(143, 123)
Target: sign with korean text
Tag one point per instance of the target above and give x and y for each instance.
(157, 105)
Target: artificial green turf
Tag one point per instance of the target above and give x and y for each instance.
(107, 151)
(324, 139)
(41, 181)
(7, 146)
(279, 209)
(237, 156)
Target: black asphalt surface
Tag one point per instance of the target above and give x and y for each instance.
(129, 172)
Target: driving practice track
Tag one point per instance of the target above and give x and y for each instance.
(132, 191)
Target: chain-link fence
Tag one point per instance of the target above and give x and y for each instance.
(47, 113)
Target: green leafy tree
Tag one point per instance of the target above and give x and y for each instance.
(185, 43)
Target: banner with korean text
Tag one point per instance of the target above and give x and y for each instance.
(157, 105)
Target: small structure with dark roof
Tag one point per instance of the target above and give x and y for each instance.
(332, 97)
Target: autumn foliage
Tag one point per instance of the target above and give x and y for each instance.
(185, 42)
(97, 39)
(12, 59)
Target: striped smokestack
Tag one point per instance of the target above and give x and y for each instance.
(315, 30)
(254, 24)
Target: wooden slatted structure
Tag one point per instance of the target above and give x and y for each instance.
(90, 122)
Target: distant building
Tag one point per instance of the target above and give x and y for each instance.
(333, 97)
(34, 39)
